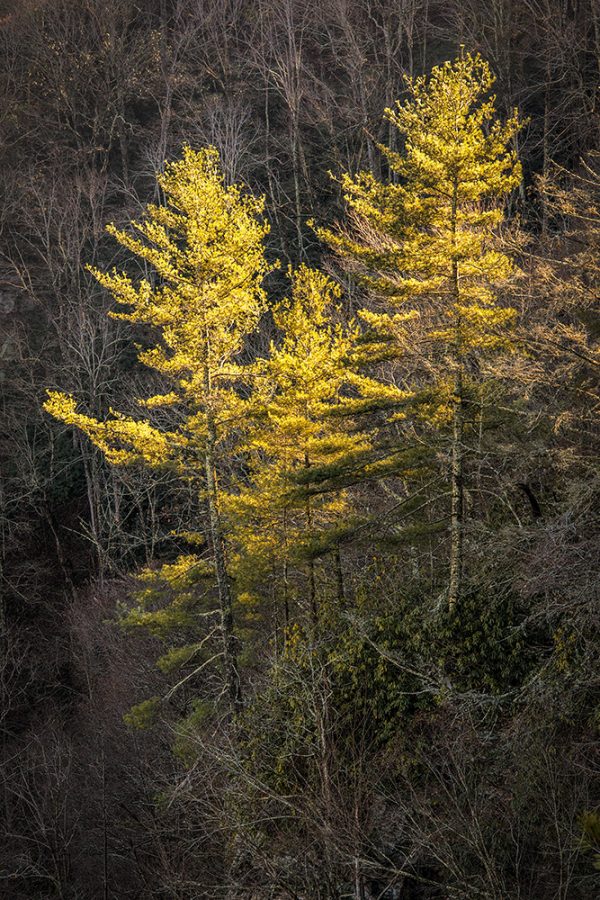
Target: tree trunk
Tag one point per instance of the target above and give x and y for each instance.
(546, 147)
(457, 466)
(230, 665)
(295, 141)
(312, 585)
(339, 575)
(457, 493)
(286, 583)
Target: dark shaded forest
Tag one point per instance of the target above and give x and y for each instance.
(321, 621)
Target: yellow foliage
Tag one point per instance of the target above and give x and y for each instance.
(428, 242)
(308, 378)
(206, 246)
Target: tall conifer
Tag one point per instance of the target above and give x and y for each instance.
(305, 437)
(205, 245)
(426, 244)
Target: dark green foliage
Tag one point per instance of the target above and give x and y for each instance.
(185, 745)
(483, 647)
(143, 715)
(379, 673)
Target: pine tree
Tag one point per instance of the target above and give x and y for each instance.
(426, 246)
(205, 245)
(305, 438)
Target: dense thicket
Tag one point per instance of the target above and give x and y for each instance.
(368, 465)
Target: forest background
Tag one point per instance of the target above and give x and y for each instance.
(387, 747)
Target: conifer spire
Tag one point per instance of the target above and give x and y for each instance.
(426, 244)
(205, 245)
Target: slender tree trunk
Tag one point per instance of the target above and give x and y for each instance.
(546, 147)
(323, 724)
(425, 34)
(457, 494)
(286, 583)
(457, 464)
(359, 887)
(313, 595)
(295, 141)
(273, 189)
(90, 469)
(230, 665)
(286, 602)
(359, 881)
(339, 575)
(312, 586)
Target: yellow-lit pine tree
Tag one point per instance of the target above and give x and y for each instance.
(426, 244)
(205, 245)
(306, 439)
